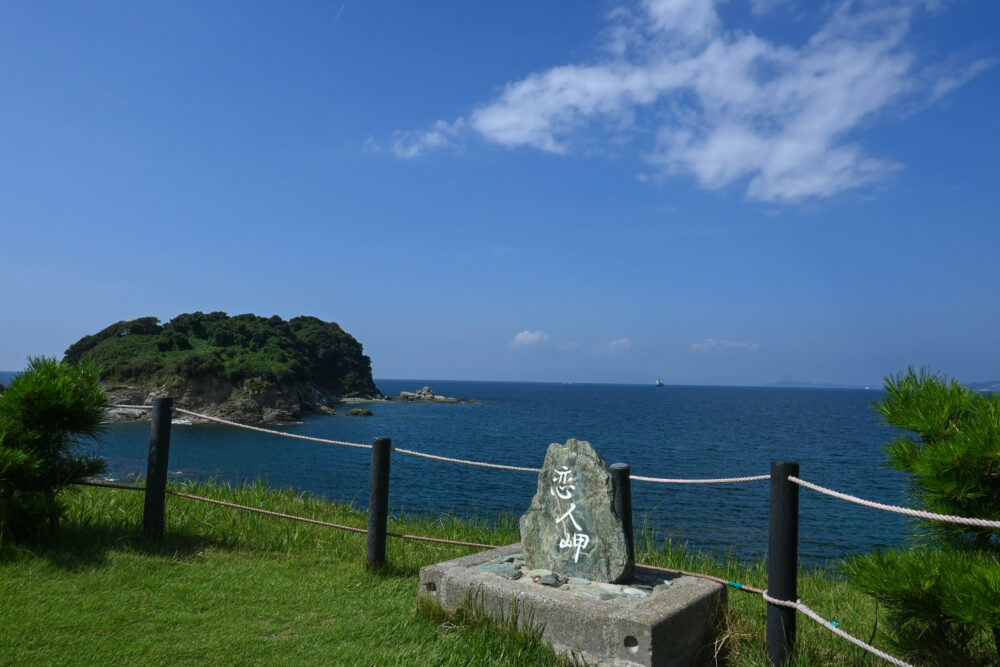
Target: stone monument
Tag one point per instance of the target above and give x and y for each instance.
(571, 526)
(573, 578)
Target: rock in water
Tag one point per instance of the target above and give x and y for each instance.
(571, 527)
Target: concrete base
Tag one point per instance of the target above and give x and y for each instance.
(674, 626)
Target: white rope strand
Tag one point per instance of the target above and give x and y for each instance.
(724, 480)
(269, 431)
(798, 605)
(495, 466)
(982, 523)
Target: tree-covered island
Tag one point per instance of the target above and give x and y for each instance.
(246, 368)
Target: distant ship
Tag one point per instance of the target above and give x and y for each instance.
(659, 382)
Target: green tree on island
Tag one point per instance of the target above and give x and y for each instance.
(242, 349)
(44, 413)
(942, 595)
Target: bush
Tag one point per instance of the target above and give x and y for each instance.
(943, 596)
(43, 414)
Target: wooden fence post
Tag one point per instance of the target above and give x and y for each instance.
(378, 502)
(156, 467)
(621, 476)
(782, 560)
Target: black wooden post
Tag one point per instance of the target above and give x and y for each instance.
(378, 502)
(782, 560)
(621, 477)
(156, 467)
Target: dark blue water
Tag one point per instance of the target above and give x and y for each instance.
(687, 432)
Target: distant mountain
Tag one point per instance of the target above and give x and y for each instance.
(794, 384)
(992, 385)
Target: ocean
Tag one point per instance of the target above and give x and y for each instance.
(671, 431)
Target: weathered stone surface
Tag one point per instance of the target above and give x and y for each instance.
(360, 412)
(218, 397)
(505, 570)
(671, 627)
(507, 566)
(571, 527)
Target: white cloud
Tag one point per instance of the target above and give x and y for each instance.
(409, 145)
(761, 7)
(944, 80)
(721, 105)
(688, 20)
(526, 338)
(620, 345)
(712, 345)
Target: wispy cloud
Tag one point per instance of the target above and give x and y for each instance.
(408, 145)
(526, 338)
(712, 345)
(721, 105)
(945, 79)
(620, 345)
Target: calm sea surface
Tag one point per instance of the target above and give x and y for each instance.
(686, 432)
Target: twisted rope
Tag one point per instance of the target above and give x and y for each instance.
(798, 605)
(724, 480)
(982, 523)
(441, 541)
(464, 461)
(317, 522)
(269, 431)
(130, 407)
(267, 512)
(108, 485)
(724, 582)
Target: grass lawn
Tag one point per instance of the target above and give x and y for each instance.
(228, 587)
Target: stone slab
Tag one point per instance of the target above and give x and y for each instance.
(672, 626)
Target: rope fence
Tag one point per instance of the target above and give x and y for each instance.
(798, 605)
(495, 466)
(434, 457)
(920, 514)
(296, 436)
(291, 517)
(784, 478)
(722, 480)
(109, 485)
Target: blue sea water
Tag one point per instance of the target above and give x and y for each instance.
(672, 431)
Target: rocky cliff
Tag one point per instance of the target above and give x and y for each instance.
(216, 397)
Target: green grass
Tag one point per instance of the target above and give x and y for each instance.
(225, 587)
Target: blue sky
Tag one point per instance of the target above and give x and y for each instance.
(733, 192)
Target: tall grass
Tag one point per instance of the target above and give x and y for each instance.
(227, 586)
